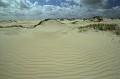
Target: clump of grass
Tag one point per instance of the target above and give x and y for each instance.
(41, 22)
(45, 20)
(75, 22)
(84, 19)
(117, 32)
(12, 26)
(70, 19)
(82, 29)
(61, 19)
(103, 27)
(1, 27)
(96, 19)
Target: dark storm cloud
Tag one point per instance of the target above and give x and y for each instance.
(91, 2)
(3, 4)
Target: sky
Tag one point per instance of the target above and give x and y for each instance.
(40, 9)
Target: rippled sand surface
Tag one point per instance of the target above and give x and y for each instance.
(36, 54)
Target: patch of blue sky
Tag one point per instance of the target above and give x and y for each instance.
(53, 2)
(114, 3)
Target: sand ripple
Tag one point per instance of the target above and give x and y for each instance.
(72, 56)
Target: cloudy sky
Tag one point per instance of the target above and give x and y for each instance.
(39, 9)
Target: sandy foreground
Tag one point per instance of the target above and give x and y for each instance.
(57, 50)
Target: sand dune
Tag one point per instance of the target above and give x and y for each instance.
(58, 51)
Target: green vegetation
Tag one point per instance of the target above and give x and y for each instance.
(61, 19)
(43, 21)
(11, 26)
(75, 22)
(15, 26)
(8, 21)
(96, 19)
(84, 19)
(102, 27)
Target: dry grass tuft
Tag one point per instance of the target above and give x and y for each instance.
(102, 27)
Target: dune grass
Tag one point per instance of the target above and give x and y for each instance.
(102, 27)
(16, 26)
(12, 26)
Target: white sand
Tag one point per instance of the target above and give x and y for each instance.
(58, 51)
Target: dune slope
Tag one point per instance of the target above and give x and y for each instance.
(58, 51)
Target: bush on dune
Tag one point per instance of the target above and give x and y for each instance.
(102, 27)
(12, 26)
(96, 19)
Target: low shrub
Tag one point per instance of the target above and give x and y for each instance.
(103, 27)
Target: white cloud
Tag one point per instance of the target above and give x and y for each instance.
(47, 0)
(24, 9)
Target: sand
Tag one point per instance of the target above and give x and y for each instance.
(54, 50)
